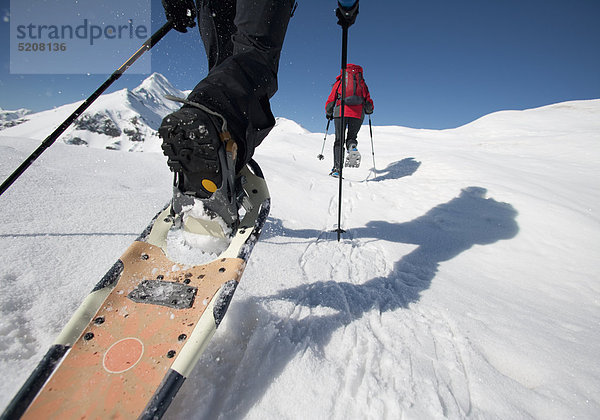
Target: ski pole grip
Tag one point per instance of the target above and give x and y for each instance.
(347, 3)
(346, 12)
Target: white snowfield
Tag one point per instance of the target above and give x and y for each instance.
(466, 286)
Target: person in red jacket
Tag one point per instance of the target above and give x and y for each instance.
(358, 102)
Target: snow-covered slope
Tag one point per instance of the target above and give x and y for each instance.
(556, 119)
(11, 118)
(466, 286)
(123, 120)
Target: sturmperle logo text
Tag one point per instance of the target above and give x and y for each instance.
(77, 36)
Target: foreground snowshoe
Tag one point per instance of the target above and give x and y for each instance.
(137, 336)
(352, 157)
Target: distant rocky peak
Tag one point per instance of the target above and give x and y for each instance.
(156, 86)
(10, 118)
(99, 123)
(7, 115)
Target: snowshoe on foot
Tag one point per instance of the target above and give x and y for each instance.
(353, 157)
(202, 155)
(334, 173)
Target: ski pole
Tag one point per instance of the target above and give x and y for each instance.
(320, 155)
(153, 40)
(346, 13)
(372, 149)
(340, 163)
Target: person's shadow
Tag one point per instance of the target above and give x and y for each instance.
(441, 234)
(396, 170)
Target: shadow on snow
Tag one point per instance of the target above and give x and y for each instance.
(396, 170)
(441, 234)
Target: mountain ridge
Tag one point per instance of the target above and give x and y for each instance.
(123, 120)
(128, 119)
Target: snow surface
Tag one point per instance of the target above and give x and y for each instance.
(466, 285)
(191, 248)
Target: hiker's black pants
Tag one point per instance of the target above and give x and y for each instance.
(352, 128)
(243, 40)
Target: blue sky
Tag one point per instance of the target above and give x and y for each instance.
(428, 64)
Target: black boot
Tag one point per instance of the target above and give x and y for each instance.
(191, 143)
(202, 154)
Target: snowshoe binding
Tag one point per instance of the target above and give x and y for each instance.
(353, 157)
(202, 155)
(335, 173)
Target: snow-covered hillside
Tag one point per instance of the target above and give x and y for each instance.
(123, 120)
(466, 286)
(11, 118)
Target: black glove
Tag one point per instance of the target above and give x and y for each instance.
(181, 13)
(329, 116)
(368, 108)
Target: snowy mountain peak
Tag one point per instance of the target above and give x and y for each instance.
(123, 120)
(6, 114)
(10, 118)
(156, 85)
(288, 126)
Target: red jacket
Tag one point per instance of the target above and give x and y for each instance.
(358, 100)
